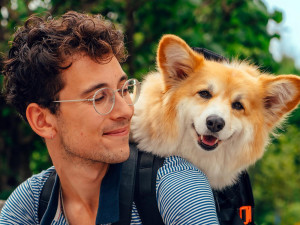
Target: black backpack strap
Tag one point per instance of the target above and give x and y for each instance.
(127, 185)
(235, 204)
(145, 194)
(209, 55)
(45, 195)
(246, 211)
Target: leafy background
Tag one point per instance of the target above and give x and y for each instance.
(233, 28)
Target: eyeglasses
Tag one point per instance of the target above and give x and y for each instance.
(104, 98)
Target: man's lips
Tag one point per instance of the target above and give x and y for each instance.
(117, 132)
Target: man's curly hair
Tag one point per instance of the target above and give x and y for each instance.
(41, 48)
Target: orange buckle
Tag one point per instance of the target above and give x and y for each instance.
(246, 214)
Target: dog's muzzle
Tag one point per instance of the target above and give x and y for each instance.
(214, 124)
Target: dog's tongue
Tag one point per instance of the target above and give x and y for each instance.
(209, 140)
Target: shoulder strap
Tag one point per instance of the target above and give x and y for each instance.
(145, 194)
(45, 195)
(246, 211)
(235, 204)
(127, 185)
(209, 55)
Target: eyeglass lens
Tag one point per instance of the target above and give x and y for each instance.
(104, 98)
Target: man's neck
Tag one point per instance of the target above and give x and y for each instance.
(80, 183)
(80, 192)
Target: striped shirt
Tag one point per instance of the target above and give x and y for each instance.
(22, 205)
(183, 196)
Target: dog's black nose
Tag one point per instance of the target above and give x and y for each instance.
(215, 123)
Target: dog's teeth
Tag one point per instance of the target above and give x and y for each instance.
(216, 141)
(201, 137)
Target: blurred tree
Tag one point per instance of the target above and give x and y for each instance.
(17, 141)
(16, 137)
(276, 180)
(232, 28)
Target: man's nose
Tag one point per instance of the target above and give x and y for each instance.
(121, 108)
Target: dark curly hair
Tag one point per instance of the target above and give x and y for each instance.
(41, 47)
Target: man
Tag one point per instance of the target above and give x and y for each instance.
(77, 58)
(64, 78)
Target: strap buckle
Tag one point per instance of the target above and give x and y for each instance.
(246, 214)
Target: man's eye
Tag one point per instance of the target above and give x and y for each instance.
(205, 94)
(125, 91)
(99, 98)
(237, 106)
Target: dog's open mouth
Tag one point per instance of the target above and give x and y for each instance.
(208, 142)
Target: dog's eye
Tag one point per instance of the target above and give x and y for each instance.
(237, 106)
(205, 94)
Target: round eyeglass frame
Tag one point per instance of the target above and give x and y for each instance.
(138, 89)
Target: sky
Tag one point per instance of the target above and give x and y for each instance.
(289, 29)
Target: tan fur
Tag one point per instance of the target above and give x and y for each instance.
(170, 113)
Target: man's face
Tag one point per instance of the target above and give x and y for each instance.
(85, 134)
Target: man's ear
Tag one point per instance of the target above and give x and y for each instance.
(176, 60)
(41, 121)
(282, 95)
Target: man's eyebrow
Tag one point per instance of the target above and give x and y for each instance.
(124, 77)
(100, 85)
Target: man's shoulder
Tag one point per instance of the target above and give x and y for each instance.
(38, 180)
(25, 198)
(178, 174)
(35, 183)
(174, 164)
(184, 194)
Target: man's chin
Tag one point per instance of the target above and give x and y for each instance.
(120, 155)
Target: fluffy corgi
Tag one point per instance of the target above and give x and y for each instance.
(216, 115)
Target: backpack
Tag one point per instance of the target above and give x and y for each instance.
(234, 205)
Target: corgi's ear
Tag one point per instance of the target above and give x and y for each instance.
(282, 95)
(175, 59)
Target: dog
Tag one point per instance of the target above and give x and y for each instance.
(216, 115)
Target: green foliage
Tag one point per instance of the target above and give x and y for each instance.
(39, 159)
(276, 180)
(16, 137)
(233, 28)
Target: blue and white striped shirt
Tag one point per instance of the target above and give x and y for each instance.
(22, 205)
(183, 196)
